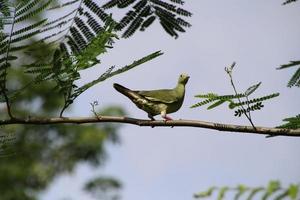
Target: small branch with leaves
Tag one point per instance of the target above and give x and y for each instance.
(273, 190)
(254, 104)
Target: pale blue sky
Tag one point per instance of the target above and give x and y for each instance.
(164, 163)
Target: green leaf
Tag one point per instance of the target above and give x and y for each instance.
(102, 183)
(25, 37)
(288, 1)
(293, 191)
(222, 193)
(292, 122)
(30, 27)
(147, 23)
(208, 95)
(291, 64)
(254, 192)
(255, 100)
(294, 81)
(206, 193)
(282, 195)
(241, 190)
(33, 13)
(252, 88)
(201, 103)
(216, 104)
(272, 187)
(26, 6)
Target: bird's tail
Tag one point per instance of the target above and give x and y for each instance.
(127, 92)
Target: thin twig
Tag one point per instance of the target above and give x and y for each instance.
(94, 104)
(151, 123)
(229, 72)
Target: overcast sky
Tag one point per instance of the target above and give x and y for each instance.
(174, 163)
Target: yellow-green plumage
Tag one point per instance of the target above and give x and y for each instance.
(156, 102)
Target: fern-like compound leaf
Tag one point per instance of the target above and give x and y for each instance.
(60, 19)
(217, 103)
(144, 13)
(147, 23)
(222, 193)
(84, 29)
(288, 1)
(293, 189)
(29, 28)
(241, 189)
(110, 4)
(291, 122)
(252, 101)
(206, 193)
(25, 36)
(252, 88)
(211, 97)
(183, 12)
(96, 9)
(78, 38)
(167, 6)
(291, 64)
(272, 187)
(182, 22)
(282, 195)
(178, 1)
(253, 192)
(254, 107)
(95, 26)
(133, 27)
(131, 15)
(33, 13)
(4, 10)
(8, 58)
(295, 80)
(69, 3)
(125, 3)
(26, 6)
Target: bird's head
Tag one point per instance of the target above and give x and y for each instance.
(183, 78)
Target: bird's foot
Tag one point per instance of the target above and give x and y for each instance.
(167, 118)
(152, 119)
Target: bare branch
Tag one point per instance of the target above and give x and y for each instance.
(172, 123)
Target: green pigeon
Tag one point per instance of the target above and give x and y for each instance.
(155, 102)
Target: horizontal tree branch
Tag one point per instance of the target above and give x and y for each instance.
(142, 122)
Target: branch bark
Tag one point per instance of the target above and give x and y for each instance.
(142, 122)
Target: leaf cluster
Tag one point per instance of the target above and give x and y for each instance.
(76, 38)
(235, 100)
(104, 188)
(295, 79)
(289, 1)
(273, 190)
(291, 122)
(144, 12)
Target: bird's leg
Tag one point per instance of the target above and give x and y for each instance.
(164, 115)
(151, 117)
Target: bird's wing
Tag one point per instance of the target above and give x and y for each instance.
(163, 96)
